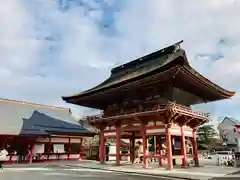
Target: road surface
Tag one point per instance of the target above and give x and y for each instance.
(70, 173)
(44, 173)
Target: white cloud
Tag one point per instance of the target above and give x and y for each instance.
(19, 52)
(81, 54)
(201, 24)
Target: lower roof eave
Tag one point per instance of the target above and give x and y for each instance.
(79, 99)
(193, 122)
(130, 115)
(75, 134)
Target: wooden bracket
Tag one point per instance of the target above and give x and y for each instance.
(169, 116)
(174, 117)
(117, 123)
(169, 125)
(187, 120)
(199, 124)
(144, 121)
(101, 127)
(136, 118)
(194, 129)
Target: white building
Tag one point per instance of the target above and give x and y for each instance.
(229, 131)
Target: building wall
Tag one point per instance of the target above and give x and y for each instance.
(228, 131)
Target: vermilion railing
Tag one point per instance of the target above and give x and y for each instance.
(187, 110)
(175, 107)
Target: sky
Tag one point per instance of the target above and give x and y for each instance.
(54, 48)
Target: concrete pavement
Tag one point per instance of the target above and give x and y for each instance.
(64, 167)
(43, 173)
(207, 172)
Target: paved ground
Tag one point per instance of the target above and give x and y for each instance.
(63, 171)
(232, 176)
(203, 172)
(43, 173)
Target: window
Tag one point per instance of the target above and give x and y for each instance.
(224, 137)
(75, 148)
(45, 148)
(234, 129)
(66, 147)
(52, 148)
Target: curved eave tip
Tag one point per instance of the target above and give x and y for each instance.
(68, 98)
(179, 42)
(231, 94)
(65, 98)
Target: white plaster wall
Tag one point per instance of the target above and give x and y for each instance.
(59, 148)
(63, 140)
(38, 149)
(227, 128)
(112, 150)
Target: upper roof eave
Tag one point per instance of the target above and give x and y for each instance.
(233, 120)
(107, 84)
(190, 72)
(207, 82)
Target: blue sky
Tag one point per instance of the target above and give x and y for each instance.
(51, 48)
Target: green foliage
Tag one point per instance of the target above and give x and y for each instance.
(151, 141)
(206, 134)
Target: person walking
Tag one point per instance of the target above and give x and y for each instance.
(134, 154)
(3, 157)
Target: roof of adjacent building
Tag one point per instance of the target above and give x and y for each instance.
(235, 121)
(170, 60)
(24, 118)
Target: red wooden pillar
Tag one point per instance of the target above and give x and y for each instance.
(169, 146)
(145, 145)
(69, 147)
(130, 149)
(159, 142)
(102, 147)
(81, 149)
(132, 145)
(195, 150)
(118, 139)
(49, 147)
(31, 153)
(183, 148)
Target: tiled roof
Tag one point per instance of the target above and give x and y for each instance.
(23, 118)
(171, 61)
(136, 68)
(236, 121)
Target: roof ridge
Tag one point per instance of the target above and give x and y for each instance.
(231, 119)
(33, 104)
(167, 50)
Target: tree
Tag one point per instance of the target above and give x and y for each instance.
(206, 134)
(151, 141)
(84, 123)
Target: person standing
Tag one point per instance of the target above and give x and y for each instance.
(3, 157)
(107, 151)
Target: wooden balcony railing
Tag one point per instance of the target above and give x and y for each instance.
(173, 106)
(189, 111)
